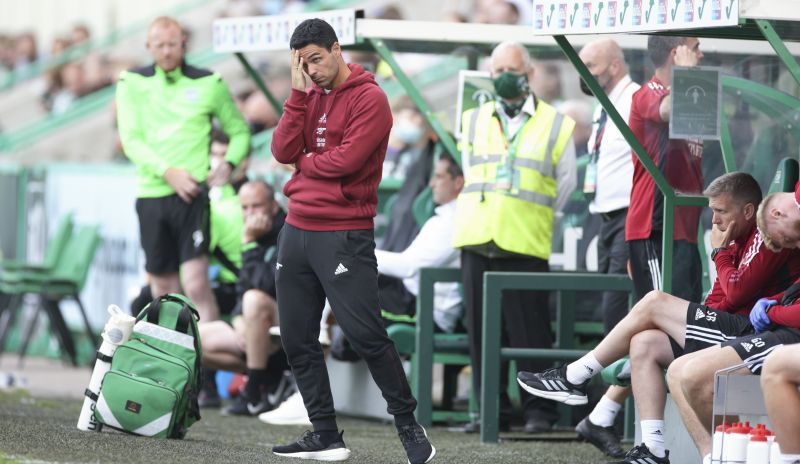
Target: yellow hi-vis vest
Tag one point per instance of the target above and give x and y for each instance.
(518, 220)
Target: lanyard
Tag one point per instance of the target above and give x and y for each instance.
(512, 147)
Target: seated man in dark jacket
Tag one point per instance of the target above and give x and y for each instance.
(245, 346)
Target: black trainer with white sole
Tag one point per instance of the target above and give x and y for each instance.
(640, 454)
(603, 438)
(552, 384)
(311, 446)
(415, 440)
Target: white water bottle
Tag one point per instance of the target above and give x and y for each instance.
(116, 332)
(775, 453)
(734, 450)
(758, 449)
(716, 442)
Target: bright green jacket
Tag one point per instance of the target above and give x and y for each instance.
(164, 120)
(227, 223)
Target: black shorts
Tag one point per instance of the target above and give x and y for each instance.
(645, 257)
(754, 348)
(172, 231)
(707, 327)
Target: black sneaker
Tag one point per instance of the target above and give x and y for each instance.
(603, 438)
(242, 406)
(209, 398)
(285, 388)
(311, 446)
(641, 454)
(415, 440)
(552, 384)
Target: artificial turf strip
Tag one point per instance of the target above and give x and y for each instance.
(43, 430)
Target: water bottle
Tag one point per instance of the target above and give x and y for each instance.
(116, 332)
(775, 453)
(734, 450)
(716, 442)
(758, 448)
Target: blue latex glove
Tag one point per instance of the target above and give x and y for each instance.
(758, 315)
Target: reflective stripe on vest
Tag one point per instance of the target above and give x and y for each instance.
(526, 195)
(545, 166)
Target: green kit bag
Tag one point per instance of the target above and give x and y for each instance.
(151, 388)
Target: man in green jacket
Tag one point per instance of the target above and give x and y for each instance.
(164, 115)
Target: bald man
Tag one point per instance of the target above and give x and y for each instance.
(164, 116)
(608, 185)
(779, 220)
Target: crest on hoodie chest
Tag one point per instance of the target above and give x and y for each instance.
(320, 132)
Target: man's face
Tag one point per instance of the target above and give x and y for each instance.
(510, 60)
(783, 222)
(693, 43)
(165, 44)
(728, 213)
(444, 186)
(599, 64)
(321, 65)
(255, 201)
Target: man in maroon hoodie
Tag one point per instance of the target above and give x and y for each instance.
(661, 328)
(336, 135)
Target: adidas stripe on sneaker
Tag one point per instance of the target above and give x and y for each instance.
(552, 384)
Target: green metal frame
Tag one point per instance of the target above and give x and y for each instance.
(422, 370)
(259, 83)
(380, 47)
(566, 284)
(769, 33)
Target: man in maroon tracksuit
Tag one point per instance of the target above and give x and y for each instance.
(336, 135)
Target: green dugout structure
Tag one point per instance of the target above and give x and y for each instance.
(768, 96)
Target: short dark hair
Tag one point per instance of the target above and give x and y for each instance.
(452, 166)
(659, 47)
(740, 186)
(313, 31)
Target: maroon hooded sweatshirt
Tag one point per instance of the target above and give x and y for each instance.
(337, 141)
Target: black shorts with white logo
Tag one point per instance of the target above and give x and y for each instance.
(754, 348)
(173, 231)
(708, 327)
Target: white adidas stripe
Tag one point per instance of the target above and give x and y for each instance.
(704, 335)
(756, 361)
(703, 339)
(712, 331)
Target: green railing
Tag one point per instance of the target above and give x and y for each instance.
(422, 370)
(83, 107)
(566, 284)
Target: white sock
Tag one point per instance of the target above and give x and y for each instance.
(790, 458)
(605, 412)
(583, 369)
(653, 436)
(707, 459)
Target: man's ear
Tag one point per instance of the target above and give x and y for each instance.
(749, 211)
(336, 49)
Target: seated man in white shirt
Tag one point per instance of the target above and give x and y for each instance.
(431, 248)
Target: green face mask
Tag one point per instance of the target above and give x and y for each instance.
(510, 85)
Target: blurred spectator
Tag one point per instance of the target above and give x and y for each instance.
(25, 52)
(409, 136)
(59, 45)
(257, 111)
(501, 12)
(547, 81)
(579, 110)
(80, 34)
(71, 86)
